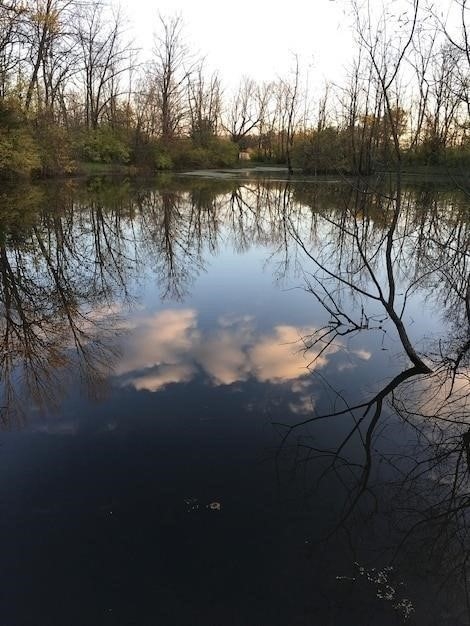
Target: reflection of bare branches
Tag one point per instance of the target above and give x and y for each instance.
(56, 318)
(365, 255)
(169, 228)
(383, 259)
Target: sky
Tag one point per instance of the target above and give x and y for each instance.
(257, 38)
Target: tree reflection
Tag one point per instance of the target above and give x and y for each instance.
(68, 262)
(60, 278)
(367, 254)
(378, 253)
(175, 229)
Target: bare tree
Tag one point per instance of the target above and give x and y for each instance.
(171, 69)
(11, 18)
(460, 40)
(104, 56)
(204, 103)
(245, 111)
(291, 89)
(386, 58)
(50, 44)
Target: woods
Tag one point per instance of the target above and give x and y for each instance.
(75, 90)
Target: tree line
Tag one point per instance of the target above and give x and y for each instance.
(73, 90)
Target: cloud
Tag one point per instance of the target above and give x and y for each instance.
(232, 320)
(166, 374)
(169, 348)
(224, 358)
(278, 357)
(163, 339)
(303, 406)
(365, 355)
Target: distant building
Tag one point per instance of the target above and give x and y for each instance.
(244, 155)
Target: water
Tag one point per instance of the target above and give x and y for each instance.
(163, 341)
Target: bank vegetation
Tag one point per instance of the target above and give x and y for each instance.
(75, 96)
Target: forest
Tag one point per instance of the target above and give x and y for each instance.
(76, 96)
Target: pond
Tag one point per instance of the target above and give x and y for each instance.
(234, 400)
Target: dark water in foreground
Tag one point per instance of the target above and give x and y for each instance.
(234, 402)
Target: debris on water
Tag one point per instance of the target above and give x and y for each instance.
(384, 586)
(192, 504)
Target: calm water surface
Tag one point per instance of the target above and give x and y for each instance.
(234, 401)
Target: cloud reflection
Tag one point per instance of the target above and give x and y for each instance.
(280, 356)
(163, 339)
(169, 347)
(166, 374)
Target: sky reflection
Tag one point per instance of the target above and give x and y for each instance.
(170, 347)
(179, 364)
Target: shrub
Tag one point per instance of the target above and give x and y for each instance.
(320, 152)
(161, 159)
(55, 150)
(18, 152)
(103, 145)
(218, 153)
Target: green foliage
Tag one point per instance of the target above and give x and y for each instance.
(458, 156)
(260, 156)
(432, 155)
(10, 114)
(102, 145)
(202, 133)
(18, 151)
(218, 153)
(161, 158)
(55, 149)
(320, 152)
(273, 156)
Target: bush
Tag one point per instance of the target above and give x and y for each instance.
(103, 145)
(457, 156)
(18, 150)
(55, 150)
(161, 159)
(426, 154)
(218, 153)
(320, 152)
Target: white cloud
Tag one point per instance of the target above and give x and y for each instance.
(365, 355)
(166, 374)
(165, 338)
(279, 356)
(224, 358)
(169, 348)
